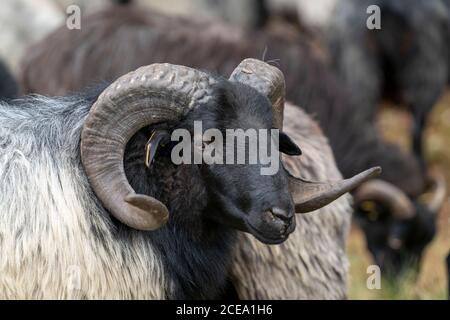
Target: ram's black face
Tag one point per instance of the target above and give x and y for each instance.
(244, 199)
(239, 194)
(397, 246)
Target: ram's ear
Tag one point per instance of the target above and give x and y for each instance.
(287, 146)
(158, 138)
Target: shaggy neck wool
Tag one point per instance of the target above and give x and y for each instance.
(195, 251)
(53, 225)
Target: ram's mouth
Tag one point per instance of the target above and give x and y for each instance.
(271, 238)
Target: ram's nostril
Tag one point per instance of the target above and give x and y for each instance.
(282, 214)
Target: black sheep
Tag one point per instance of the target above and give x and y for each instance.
(149, 37)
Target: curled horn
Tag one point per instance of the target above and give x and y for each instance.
(268, 80)
(389, 195)
(439, 194)
(149, 95)
(308, 196)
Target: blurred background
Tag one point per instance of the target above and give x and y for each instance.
(394, 78)
(432, 281)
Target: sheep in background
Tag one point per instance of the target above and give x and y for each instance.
(151, 37)
(70, 201)
(407, 60)
(8, 85)
(404, 61)
(25, 22)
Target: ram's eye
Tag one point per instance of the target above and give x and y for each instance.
(370, 209)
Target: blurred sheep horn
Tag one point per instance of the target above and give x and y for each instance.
(266, 79)
(389, 195)
(309, 196)
(439, 193)
(151, 94)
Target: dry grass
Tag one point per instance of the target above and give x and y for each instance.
(432, 281)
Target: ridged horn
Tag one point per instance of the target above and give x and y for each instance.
(151, 94)
(309, 196)
(268, 80)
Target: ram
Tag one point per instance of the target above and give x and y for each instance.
(85, 202)
(122, 38)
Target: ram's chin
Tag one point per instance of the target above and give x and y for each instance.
(272, 238)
